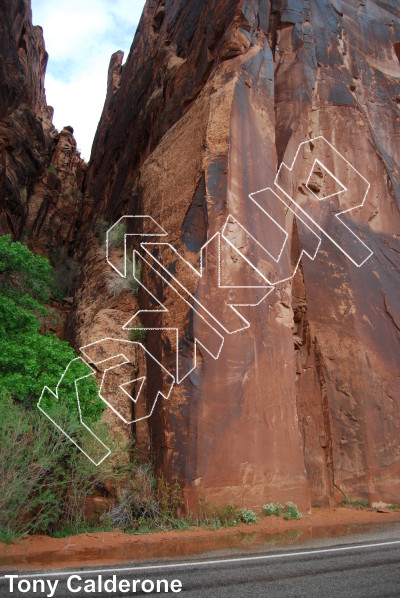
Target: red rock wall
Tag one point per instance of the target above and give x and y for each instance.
(213, 97)
(305, 405)
(41, 172)
(24, 143)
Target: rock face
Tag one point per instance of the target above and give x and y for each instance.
(25, 119)
(41, 172)
(214, 96)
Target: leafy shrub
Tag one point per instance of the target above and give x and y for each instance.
(217, 516)
(135, 500)
(272, 509)
(22, 271)
(227, 515)
(291, 511)
(7, 535)
(43, 478)
(30, 360)
(169, 498)
(248, 516)
(145, 504)
(39, 466)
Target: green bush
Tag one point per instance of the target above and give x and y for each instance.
(39, 466)
(227, 515)
(30, 360)
(217, 516)
(145, 504)
(23, 271)
(291, 511)
(272, 509)
(248, 516)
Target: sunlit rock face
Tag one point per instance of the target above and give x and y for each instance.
(213, 97)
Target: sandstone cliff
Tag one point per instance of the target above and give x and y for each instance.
(41, 172)
(213, 97)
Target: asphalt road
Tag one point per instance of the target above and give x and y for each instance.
(354, 567)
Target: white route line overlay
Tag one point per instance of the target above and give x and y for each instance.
(161, 233)
(56, 395)
(232, 219)
(200, 274)
(197, 342)
(344, 189)
(150, 224)
(246, 559)
(100, 393)
(84, 350)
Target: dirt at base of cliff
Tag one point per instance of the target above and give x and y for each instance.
(43, 552)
